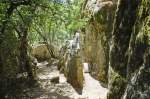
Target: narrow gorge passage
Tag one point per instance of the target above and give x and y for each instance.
(74, 49)
(50, 89)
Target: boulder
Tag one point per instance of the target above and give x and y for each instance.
(44, 52)
(55, 80)
(71, 65)
(40, 52)
(95, 36)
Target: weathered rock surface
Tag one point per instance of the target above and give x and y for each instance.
(41, 52)
(129, 55)
(70, 63)
(44, 52)
(138, 70)
(96, 36)
(75, 72)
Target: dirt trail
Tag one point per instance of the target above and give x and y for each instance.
(63, 90)
(92, 88)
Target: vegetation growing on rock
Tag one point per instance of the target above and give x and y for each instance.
(44, 45)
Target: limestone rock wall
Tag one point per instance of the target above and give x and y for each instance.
(96, 36)
(70, 63)
(138, 71)
(74, 71)
(126, 49)
(129, 55)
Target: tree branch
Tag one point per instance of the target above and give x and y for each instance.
(46, 41)
(17, 2)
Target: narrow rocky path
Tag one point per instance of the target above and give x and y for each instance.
(50, 89)
(92, 88)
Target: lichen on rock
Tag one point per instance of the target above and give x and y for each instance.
(96, 36)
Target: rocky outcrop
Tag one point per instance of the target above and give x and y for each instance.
(139, 86)
(40, 52)
(96, 36)
(44, 52)
(139, 56)
(70, 63)
(75, 72)
(129, 55)
(126, 49)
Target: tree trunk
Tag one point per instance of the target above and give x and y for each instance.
(24, 59)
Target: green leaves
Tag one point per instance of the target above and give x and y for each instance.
(57, 21)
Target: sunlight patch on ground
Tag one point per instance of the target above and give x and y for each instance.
(93, 89)
(63, 90)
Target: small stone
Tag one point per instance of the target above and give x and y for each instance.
(55, 80)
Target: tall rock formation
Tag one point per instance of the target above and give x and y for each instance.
(130, 53)
(71, 64)
(138, 67)
(96, 36)
(126, 50)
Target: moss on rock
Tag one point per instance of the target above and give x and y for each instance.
(96, 37)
